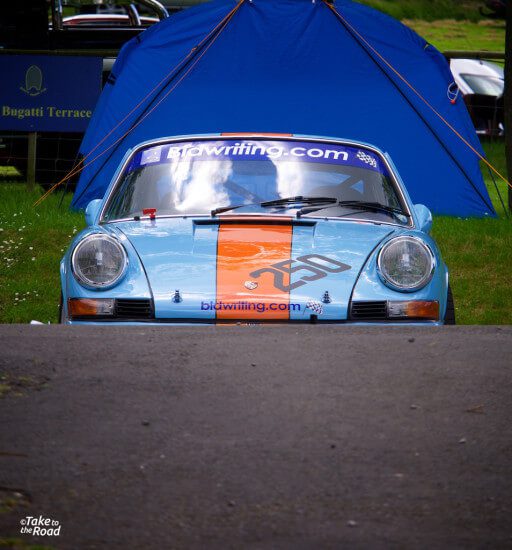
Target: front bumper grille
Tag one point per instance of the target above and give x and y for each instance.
(133, 309)
(369, 311)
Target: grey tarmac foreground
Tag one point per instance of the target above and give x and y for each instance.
(257, 437)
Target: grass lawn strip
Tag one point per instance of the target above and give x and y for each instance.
(448, 34)
(429, 10)
(32, 242)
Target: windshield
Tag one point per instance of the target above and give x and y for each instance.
(485, 85)
(198, 177)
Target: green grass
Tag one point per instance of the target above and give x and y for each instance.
(448, 34)
(18, 385)
(8, 172)
(13, 543)
(428, 10)
(32, 241)
(494, 152)
(479, 256)
(447, 24)
(478, 253)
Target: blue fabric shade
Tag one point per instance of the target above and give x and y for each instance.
(292, 66)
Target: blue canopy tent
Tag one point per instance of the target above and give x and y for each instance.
(292, 66)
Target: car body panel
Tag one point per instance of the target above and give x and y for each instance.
(177, 256)
(180, 255)
(347, 243)
(133, 282)
(369, 287)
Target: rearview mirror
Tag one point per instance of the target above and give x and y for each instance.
(424, 217)
(92, 211)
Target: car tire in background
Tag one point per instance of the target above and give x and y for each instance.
(61, 311)
(449, 317)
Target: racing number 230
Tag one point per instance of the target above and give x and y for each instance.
(319, 267)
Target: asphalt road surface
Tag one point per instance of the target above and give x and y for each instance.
(257, 437)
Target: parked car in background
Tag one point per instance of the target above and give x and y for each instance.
(78, 25)
(476, 76)
(108, 20)
(482, 84)
(255, 228)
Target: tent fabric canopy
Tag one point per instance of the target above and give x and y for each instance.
(291, 66)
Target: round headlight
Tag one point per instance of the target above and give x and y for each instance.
(98, 261)
(406, 264)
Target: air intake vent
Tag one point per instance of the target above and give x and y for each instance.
(368, 311)
(134, 309)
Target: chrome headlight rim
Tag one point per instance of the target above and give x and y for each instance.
(406, 288)
(80, 277)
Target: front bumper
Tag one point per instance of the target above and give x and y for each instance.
(142, 311)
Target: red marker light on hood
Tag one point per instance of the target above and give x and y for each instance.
(151, 212)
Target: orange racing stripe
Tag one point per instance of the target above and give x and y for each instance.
(241, 250)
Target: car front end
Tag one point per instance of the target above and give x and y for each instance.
(255, 229)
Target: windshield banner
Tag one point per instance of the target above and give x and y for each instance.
(251, 150)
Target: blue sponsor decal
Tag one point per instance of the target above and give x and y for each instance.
(251, 150)
(257, 307)
(48, 93)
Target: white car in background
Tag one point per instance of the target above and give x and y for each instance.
(475, 76)
(482, 84)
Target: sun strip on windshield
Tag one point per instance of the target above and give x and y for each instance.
(258, 150)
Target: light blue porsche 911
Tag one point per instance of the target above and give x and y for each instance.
(255, 228)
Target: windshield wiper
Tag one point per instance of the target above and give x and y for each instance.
(285, 201)
(361, 205)
(304, 200)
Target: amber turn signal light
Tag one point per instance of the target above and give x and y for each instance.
(90, 307)
(416, 309)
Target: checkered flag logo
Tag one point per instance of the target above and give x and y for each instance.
(317, 307)
(365, 157)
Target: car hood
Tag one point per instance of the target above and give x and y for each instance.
(254, 269)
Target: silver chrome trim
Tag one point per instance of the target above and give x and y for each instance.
(81, 279)
(399, 288)
(260, 214)
(159, 8)
(161, 141)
